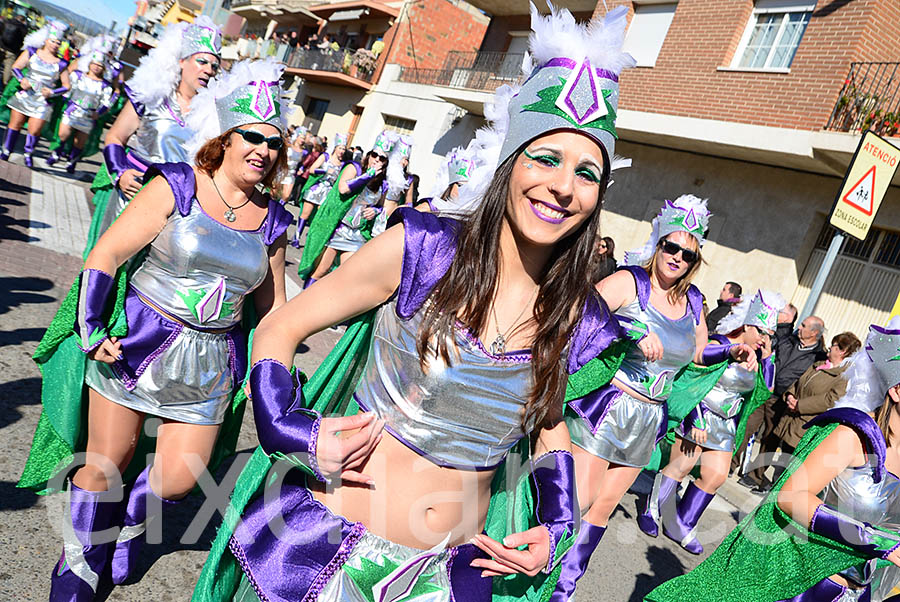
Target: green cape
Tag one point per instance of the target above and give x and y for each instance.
(759, 561)
(329, 391)
(691, 386)
(104, 192)
(323, 225)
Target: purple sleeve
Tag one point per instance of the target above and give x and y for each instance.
(595, 331)
(768, 371)
(555, 500)
(116, 160)
(17, 73)
(182, 181)
(277, 222)
(715, 353)
(94, 290)
(138, 105)
(641, 283)
(865, 426)
(695, 302)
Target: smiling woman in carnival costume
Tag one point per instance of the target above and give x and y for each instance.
(513, 273)
(151, 127)
(707, 407)
(47, 78)
(617, 410)
(828, 530)
(206, 243)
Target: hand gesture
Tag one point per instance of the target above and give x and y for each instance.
(369, 213)
(745, 355)
(651, 347)
(766, 347)
(341, 453)
(698, 435)
(46, 92)
(130, 183)
(506, 559)
(24, 84)
(791, 402)
(108, 351)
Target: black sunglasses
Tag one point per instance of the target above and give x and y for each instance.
(256, 138)
(671, 248)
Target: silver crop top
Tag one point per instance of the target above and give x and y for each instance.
(366, 198)
(855, 493)
(200, 270)
(162, 134)
(467, 415)
(88, 94)
(725, 397)
(678, 338)
(42, 74)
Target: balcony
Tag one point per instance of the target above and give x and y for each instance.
(482, 71)
(503, 8)
(282, 11)
(869, 100)
(336, 67)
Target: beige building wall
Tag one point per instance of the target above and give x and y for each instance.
(765, 223)
(339, 114)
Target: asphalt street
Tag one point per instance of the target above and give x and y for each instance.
(44, 214)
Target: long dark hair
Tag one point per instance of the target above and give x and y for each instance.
(375, 183)
(467, 290)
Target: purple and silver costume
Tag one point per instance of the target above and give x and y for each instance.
(88, 99)
(318, 191)
(348, 236)
(41, 74)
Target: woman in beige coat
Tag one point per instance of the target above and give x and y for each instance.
(816, 390)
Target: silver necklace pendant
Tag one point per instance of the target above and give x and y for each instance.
(229, 215)
(498, 347)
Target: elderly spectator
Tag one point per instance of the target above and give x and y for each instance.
(816, 390)
(604, 261)
(793, 355)
(729, 296)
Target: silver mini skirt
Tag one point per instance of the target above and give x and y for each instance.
(189, 382)
(31, 104)
(626, 434)
(720, 433)
(346, 238)
(79, 121)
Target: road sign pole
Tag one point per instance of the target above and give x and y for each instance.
(819, 283)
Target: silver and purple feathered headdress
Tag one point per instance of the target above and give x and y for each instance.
(159, 72)
(396, 176)
(52, 29)
(570, 81)
(874, 369)
(687, 213)
(761, 311)
(384, 143)
(340, 139)
(249, 93)
(94, 50)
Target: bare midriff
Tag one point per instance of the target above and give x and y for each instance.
(623, 387)
(414, 502)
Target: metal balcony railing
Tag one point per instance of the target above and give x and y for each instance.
(336, 61)
(478, 70)
(869, 100)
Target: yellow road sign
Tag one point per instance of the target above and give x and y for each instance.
(868, 177)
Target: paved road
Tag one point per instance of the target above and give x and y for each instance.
(43, 222)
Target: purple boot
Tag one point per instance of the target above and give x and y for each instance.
(143, 506)
(690, 508)
(30, 143)
(9, 143)
(575, 562)
(87, 540)
(54, 157)
(660, 503)
(301, 224)
(74, 155)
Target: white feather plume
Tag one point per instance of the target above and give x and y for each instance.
(37, 38)
(442, 177)
(737, 317)
(203, 118)
(88, 48)
(396, 178)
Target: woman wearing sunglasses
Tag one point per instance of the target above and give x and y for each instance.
(151, 127)
(616, 426)
(344, 222)
(207, 242)
(715, 404)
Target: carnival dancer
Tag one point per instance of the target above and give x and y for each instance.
(399, 183)
(209, 243)
(294, 151)
(616, 426)
(345, 219)
(714, 404)
(89, 97)
(828, 530)
(454, 172)
(151, 127)
(317, 186)
(47, 78)
(513, 273)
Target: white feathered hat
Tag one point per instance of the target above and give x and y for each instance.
(687, 213)
(873, 369)
(760, 311)
(51, 29)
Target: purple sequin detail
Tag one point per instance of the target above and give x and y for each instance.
(863, 424)
(570, 64)
(313, 441)
(131, 383)
(239, 555)
(521, 356)
(336, 563)
(453, 552)
(232, 361)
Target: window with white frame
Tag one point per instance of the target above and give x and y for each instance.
(773, 34)
(648, 30)
(399, 124)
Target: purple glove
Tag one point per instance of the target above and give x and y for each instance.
(116, 160)
(861, 536)
(285, 429)
(319, 172)
(556, 503)
(94, 289)
(358, 183)
(768, 371)
(17, 73)
(59, 91)
(716, 353)
(106, 107)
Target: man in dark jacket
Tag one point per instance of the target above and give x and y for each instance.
(729, 296)
(12, 35)
(794, 353)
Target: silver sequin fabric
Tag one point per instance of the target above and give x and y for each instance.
(86, 96)
(160, 138)
(318, 191)
(348, 235)
(724, 403)
(31, 102)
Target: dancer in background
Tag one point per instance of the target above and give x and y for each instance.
(399, 183)
(469, 322)
(209, 243)
(151, 127)
(830, 527)
(89, 97)
(46, 79)
(316, 188)
(715, 405)
(455, 171)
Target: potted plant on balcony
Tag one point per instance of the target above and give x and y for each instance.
(363, 63)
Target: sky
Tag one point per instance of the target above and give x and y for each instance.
(101, 11)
